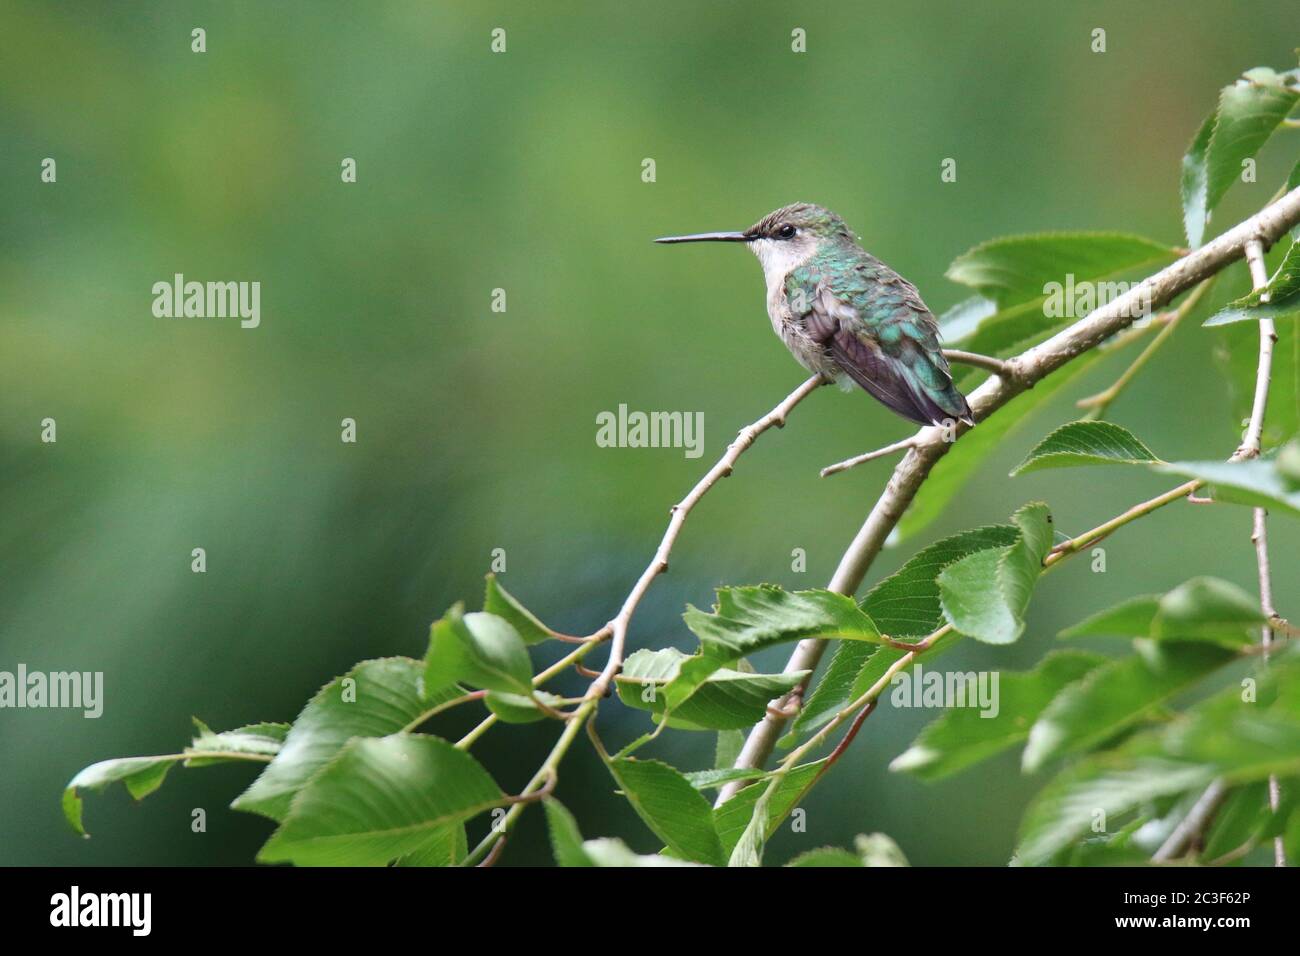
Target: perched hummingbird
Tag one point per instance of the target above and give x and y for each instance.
(842, 312)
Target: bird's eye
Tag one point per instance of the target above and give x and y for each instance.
(786, 232)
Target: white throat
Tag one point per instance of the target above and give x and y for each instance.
(778, 257)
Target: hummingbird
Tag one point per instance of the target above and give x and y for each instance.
(846, 315)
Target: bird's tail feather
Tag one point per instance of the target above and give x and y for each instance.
(916, 384)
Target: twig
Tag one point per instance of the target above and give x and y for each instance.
(868, 699)
(1189, 830)
(439, 708)
(1190, 827)
(1280, 625)
(1066, 548)
(1250, 445)
(532, 796)
(616, 630)
(1026, 369)
(571, 659)
(495, 853)
(1100, 402)
(847, 739)
(988, 362)
(1259, 524)
(545, 775)
(853, 462)
(860, 709)
(995, 365)
(679, 511)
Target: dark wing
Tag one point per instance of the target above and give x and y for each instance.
(895, 356)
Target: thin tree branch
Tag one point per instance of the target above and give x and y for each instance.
(1188, 832)
(1190, 827)
(1250, 445)
(1024, 370)
(856, 460)
(439, 708)
(867, 701)
(572, 659)
(987, 362)
(995, 365)
(1088, 538)
(1259, 524)
(1260, 538)
(616, 630)
(679, 511)
(1100, 403)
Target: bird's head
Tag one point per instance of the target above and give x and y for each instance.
(783, 239)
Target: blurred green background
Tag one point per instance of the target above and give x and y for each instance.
(476, 430)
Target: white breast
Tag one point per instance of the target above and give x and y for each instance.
(778, 258)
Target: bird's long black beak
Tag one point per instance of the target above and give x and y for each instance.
(710, 237)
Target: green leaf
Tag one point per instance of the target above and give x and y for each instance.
(264, 739)
(984, 595)
(445, 846)
(497, 600)
(1244, 739)
(964, 735)
(374, 699)
(1099, 790)
(1117, 695)
(1133, 617)
(1202, 609)
(380, 799)
(733, 817)
(747, 619)
(1229, 736)
(1087, 443)
(1004, 332)
(1236, 354)
(1279, 298)
(965, 317)
(1042, 283)
(1016, 269)
(1208, 609)
(1194, 182)
(670, 806)
(727, 749)
(478, 649)
(1247, 114)
(566, 838)
(904, 605)
(1257, 482)
(826, 856)
(141, 776)
(518, 709)
(748, 850)
(1239, 821)
(954, 469)
(708, 779)
(728, 700)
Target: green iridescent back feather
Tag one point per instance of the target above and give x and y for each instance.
(887, 311)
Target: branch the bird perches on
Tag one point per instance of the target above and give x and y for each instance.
(929, 444)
